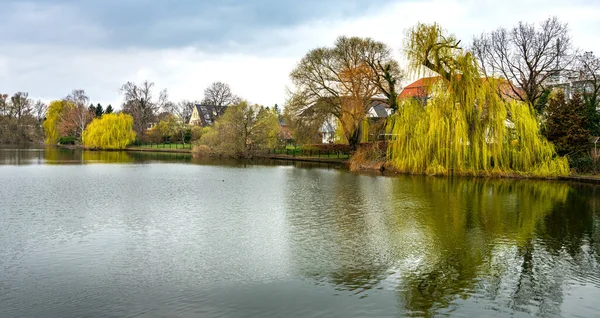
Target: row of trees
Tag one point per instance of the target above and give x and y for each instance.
(20, 118)
(341, 81)
(23, 120)
(485, 113)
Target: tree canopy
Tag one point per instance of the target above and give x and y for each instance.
(526, 55)
(466, 127)
(111, 131)
(342, 80)
(243, 130)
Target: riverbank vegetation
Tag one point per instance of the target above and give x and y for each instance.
(243, 130)
(472, 115)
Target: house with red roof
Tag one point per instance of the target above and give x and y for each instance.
(422, 88)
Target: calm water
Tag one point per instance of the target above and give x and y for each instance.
(108, 234)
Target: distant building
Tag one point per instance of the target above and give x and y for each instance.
(201, 115)
(570, 81)
(285, 135)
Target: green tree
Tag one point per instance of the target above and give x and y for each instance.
(566, 124)
(243, 130)
(99, 110)
(109, 109)
(111, 131)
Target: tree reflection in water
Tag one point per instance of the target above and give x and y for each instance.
(512, 244)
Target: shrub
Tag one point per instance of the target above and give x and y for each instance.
(368, 156)
(66, 140)
(585, 164)
(201, 151)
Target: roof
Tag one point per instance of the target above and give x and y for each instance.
(420, 88)
(380, 110)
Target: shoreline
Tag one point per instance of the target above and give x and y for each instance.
(373, 168)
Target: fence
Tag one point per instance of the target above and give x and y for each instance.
(165, 145)
(311, 152)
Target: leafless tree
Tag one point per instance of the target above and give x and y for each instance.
(588, 86)
(20, 106)
(184, 110)
(3, 105)
(588, 66)
(219, 96)
(525, 55)
(81, 114)
(17, 123)
(39, 110)
(139, 103)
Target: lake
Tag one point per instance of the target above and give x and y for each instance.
(115, 234)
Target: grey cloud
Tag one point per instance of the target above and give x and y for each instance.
(210, 25)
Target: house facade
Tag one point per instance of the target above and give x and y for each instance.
(570, 81)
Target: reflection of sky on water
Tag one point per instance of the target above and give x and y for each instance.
(226, 234)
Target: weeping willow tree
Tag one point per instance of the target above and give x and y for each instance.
(466, 127)
(111, 131)
(55, 113)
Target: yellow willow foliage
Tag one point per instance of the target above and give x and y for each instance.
(365, 127)
(111, 131)
(465, 128)
(340, 135)
(53, 116)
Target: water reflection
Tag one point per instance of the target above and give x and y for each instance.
(515, 244)
(17, 155)
(264, 238)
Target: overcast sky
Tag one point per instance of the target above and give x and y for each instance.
(49, 47)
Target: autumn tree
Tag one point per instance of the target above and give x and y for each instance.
(526, 55)
(111, 131)
(566, 124)
(243, 130)
(341, 81)
(139, 102)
